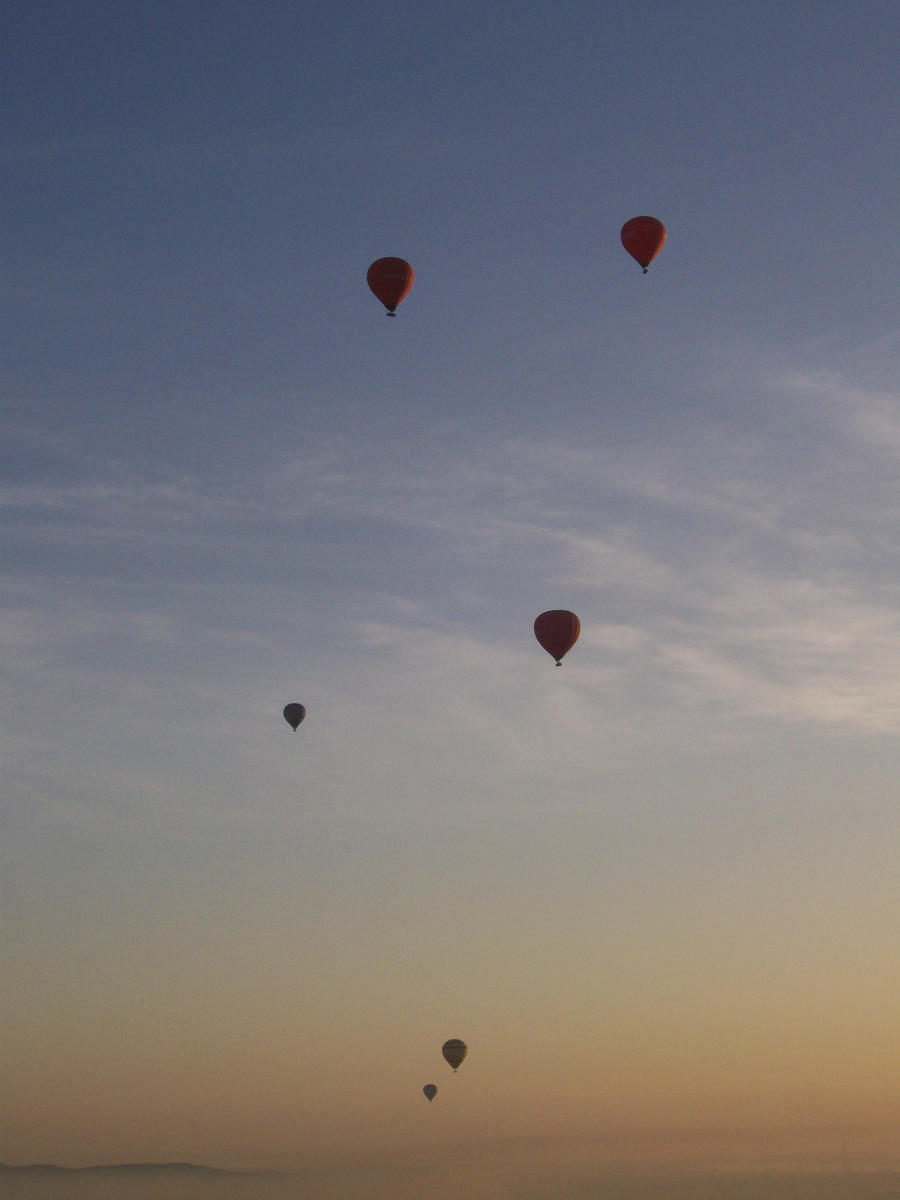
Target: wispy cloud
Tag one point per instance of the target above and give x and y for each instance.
(736, 570)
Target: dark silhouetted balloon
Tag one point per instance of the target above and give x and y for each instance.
(643, 238)
(430, 1091)
(454, 1051)
(294, 714)
(390, 279)
(557, 631)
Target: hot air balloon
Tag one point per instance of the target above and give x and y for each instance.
(557, 631)
(390, 279)
(430, 1091)
(643, 238)
(454, 1051)
(294, 714)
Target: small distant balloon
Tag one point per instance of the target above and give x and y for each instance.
(294, 714)
(557, 631)
(390, 279)
(454, 1051)
(643, 238)
(430, 1092)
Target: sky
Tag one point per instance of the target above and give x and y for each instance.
(654, 890)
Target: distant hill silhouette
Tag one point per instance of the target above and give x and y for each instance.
(134, 1169)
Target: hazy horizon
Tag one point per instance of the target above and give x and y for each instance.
(509, 1174)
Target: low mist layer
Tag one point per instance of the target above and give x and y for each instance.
(491, 1181)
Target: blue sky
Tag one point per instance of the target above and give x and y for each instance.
(230, 483)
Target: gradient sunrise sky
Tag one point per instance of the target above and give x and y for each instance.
(657, 890)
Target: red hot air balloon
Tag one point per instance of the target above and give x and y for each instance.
(557, 631)
(390, 279)
(643, 238)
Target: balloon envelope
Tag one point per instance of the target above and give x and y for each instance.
(390, 279)
(557, 631)
(454, 1051)
(430, 1091)
(294, 714)
(643, 238)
